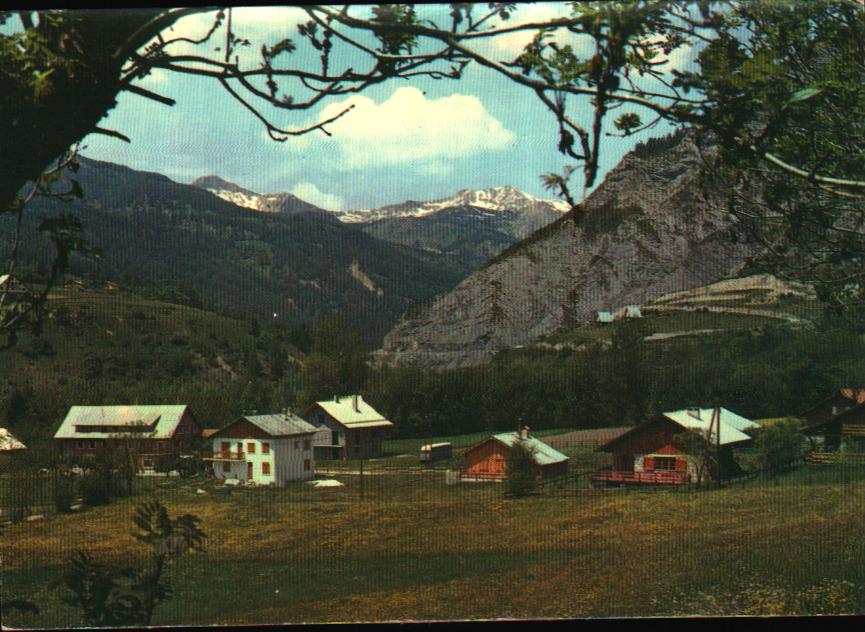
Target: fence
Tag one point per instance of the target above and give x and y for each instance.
(833, 458)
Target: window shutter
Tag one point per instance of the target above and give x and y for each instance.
(649, 464)
(681, 465)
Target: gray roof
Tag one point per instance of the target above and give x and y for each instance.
(281, 424)
(543, 454)
(160, 421)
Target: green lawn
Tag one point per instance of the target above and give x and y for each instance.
(415, 548)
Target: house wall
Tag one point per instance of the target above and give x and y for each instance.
(488, 460)
(351, 443)
(629, 452)
(294, 459)
(289, 458)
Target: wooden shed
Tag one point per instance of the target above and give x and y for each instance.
(487, 461)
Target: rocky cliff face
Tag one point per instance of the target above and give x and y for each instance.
(646, 231)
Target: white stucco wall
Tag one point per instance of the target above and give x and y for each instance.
(286, 455)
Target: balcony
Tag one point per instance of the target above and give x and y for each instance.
(658, 477)
(225, 455)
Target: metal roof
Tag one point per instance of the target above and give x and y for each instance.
(7, 441)
(732, 425)
(543, 454)
(122, 419)
(281, 424)
(604, 317)
(342, 409)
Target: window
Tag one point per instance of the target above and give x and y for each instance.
(306, 464)
(225, 447)
(265, 469)
(250, 447)
(226, 467)
(665, 463)
(265, 448)
(80, 444)
(306, 444)
(296, 445)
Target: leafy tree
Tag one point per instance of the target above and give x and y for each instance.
(521, 469)
(778, 447)
(111, 595)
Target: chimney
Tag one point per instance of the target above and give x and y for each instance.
(336, 398)
(694, 411)
(524, 433)
(354, 406)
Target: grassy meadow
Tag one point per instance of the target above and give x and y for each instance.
(415, 548)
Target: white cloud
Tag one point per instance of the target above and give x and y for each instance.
(259, 25)
(408, 128)
(308, 192)
(512, 44)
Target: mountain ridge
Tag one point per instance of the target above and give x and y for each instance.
(645, 231)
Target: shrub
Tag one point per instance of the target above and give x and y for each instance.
(96, 488)
(778, 447)
(64, 493)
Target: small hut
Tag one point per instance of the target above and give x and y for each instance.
(487, 461)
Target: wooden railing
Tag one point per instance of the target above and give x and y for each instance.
(656, 478)
(830, 458)
(223, 455)
(853, 430)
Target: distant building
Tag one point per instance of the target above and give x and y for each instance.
(628, 311)
(487, 461)
(8, 443)
(837, 421)
(347, 428)
(436, 452)
(264, 449)
(604, 318)
(155, 432)
(648, 453)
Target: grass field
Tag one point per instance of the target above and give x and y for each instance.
(415, 548)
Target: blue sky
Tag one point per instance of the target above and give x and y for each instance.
(420, 139)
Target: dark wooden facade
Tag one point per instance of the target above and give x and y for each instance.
(847, 427)
(150, 453)
(335, 440)
(840, 401)
(649, 454)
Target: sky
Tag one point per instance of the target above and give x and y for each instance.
(417, 139)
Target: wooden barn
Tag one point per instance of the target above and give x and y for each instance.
(487, 461)
(347, 428)
(650, 454)
(263, 449)
(155, 433)
(828, 408)
(835, 423)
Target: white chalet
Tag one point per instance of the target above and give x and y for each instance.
(265, 449)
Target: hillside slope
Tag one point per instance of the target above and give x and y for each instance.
(648, 230)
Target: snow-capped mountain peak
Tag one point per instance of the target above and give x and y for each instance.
(494, 199)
